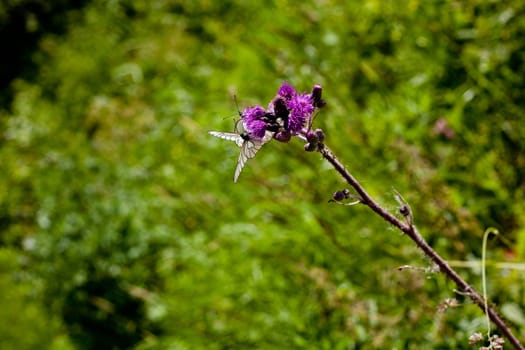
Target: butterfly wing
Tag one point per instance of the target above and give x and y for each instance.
(231, 136)
(248, 147)
(248, 150)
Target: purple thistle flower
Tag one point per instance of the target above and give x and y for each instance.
(286, 91)
(253, 113)
(301, 109)
(253, 123)
(256, 128)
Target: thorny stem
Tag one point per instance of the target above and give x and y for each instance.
(411, 231)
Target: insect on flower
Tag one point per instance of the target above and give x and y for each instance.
(249, 145)
(288, 114)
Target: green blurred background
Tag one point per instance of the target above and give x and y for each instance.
(121, 228)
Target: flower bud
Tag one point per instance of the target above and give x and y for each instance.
(283, 136)
(338, 196)
(404, 210)
(310, 147)
(317, 91)
(320, 104)
(320, 134)
(312, 137)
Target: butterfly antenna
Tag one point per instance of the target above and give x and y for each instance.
(239, 112)
(237, 105)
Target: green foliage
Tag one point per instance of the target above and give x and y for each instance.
(24, 322)
(133, 234)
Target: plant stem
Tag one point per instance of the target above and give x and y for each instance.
(413, 233)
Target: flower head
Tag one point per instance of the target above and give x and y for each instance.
(286, 91)
(253, 121)
(301, 109)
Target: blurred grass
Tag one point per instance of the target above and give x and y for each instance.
(120, 211)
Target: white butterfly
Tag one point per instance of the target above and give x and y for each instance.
(249, 146)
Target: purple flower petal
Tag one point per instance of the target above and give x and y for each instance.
(256, 128)
(252, 113)
(252, 121)
(301, 109)
(286, 91)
